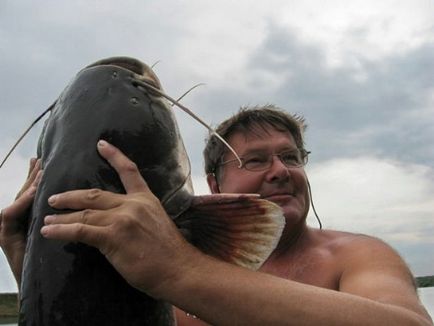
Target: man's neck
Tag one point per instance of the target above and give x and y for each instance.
(293, 239)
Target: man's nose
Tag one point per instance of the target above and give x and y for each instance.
(278, 170)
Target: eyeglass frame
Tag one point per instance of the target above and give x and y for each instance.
(304, 154)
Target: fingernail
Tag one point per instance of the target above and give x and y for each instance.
(102, 143)
(49, 219)
(45, 230)
(52, 199)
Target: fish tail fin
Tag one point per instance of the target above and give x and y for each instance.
(240, 229)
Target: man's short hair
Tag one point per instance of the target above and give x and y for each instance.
(250, 120)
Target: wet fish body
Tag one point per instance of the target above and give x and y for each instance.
(71, 283)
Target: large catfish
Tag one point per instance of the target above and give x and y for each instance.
(73, 284)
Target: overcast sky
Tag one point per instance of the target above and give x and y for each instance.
(361, 72)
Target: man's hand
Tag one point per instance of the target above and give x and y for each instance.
(133, 231)
(14, 220)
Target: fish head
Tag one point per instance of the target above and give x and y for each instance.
(105, 101)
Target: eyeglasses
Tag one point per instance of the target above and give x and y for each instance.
(262, 161)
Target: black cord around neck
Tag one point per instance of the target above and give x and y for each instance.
(313, 206)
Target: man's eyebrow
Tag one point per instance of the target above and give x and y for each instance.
(255, 150)
(260, 150)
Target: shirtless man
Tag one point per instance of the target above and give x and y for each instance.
(314, 277)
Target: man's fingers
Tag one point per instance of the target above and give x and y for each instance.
(91, 235)
(126, 169)
(83, 199)
(34, 172)
(86, 216)
(32, 164)
(37, 179)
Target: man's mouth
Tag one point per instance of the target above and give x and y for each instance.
(277, 196)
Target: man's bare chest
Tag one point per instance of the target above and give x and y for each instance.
(315, 268)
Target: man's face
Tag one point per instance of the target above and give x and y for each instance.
(284, 186)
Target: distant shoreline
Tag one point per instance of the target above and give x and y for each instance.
(425, 281)
(8, 305)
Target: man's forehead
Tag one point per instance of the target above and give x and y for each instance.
(257, 130)
(258, 137)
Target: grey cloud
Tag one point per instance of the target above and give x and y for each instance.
(373, 107)
(379, 107)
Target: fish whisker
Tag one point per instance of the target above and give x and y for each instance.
(156, 63)
(25, 133)
(188, 91)
(188, 111)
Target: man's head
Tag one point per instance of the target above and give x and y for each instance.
(270, 145)
(251, 120)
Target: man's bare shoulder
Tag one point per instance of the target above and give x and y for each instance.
(357, 254)
(370, 268)
(347, 243)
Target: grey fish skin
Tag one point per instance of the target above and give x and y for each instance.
(71, 283)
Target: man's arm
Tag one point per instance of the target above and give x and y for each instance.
(141, 242)
(228, 295)
(372, 270)
(14, 221)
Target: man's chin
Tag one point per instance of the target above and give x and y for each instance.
(291, 207)
(293, 213)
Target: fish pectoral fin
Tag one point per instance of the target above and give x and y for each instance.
(241, 229)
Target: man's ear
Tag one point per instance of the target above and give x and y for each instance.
(212, 183)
